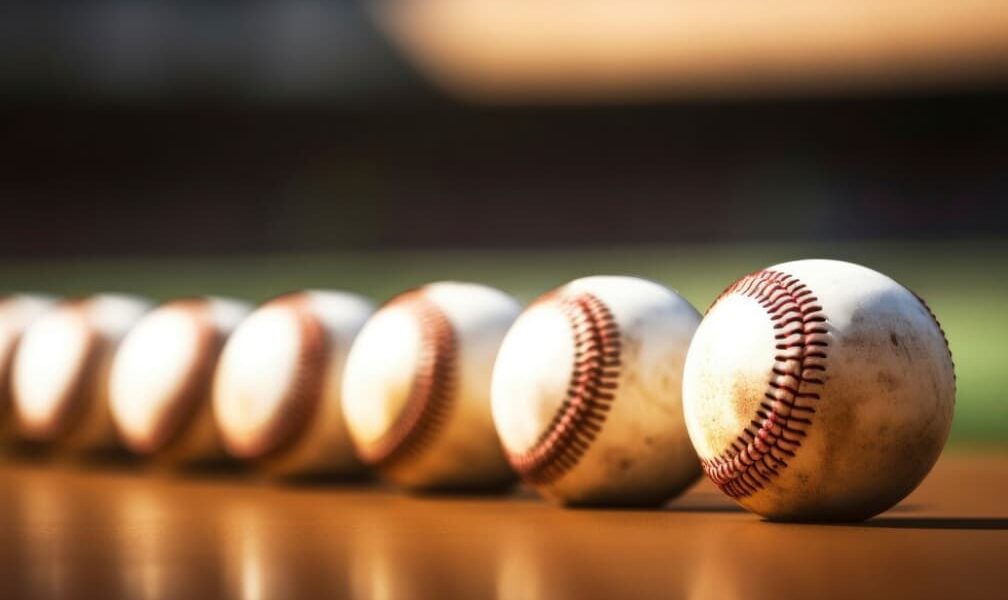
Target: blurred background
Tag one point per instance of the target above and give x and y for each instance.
(248, 148)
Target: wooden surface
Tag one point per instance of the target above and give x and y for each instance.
(119, 532)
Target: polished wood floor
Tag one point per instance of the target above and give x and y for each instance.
(113, 531)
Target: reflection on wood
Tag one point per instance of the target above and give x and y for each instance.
(72, 533)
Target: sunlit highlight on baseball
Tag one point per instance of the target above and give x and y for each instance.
(17, 312)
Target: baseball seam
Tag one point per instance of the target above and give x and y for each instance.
(74, 402)
(304, 394)
(589, 396)
(432, 392)
(941, 331)
(775, 433)
(183, 406)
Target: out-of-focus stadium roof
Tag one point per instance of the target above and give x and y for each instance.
(589, 50)
(496, 50)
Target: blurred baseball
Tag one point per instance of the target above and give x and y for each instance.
(159, 384)
(417, 387)
(276, 390)
(61, 367)
(818, 390)
(17, 311)
(586, 393)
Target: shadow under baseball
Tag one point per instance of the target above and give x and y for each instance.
(702, 502)
(934, 523)
(356, 481)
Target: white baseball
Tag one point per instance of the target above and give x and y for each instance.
(159, 385)
(818, 390)
(17, 312)
(276, 390)
(586, 393)
(417, 388)
(60, 371)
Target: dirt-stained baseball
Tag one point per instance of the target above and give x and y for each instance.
(17, 312)
(276, 390)
(818, 390)
(61, 368)
(586, 393)
(159, 385)
(417, 387)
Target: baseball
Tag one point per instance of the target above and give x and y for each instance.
(61, 367)
(417, 388)
(818, 390)
(17, 311)
(276, 389)
(159, 383)
(586, 393)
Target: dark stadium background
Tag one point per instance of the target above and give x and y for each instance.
(148, 129)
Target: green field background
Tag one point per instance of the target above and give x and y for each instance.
(966, 284)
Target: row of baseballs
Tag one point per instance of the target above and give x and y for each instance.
(811, 390)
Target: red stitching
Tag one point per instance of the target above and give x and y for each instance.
(184, 405)
(775, 433)
(75, 404)
(305, 394)
(942, 332)
(589, 396)
(432, 393)
(302, 398)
